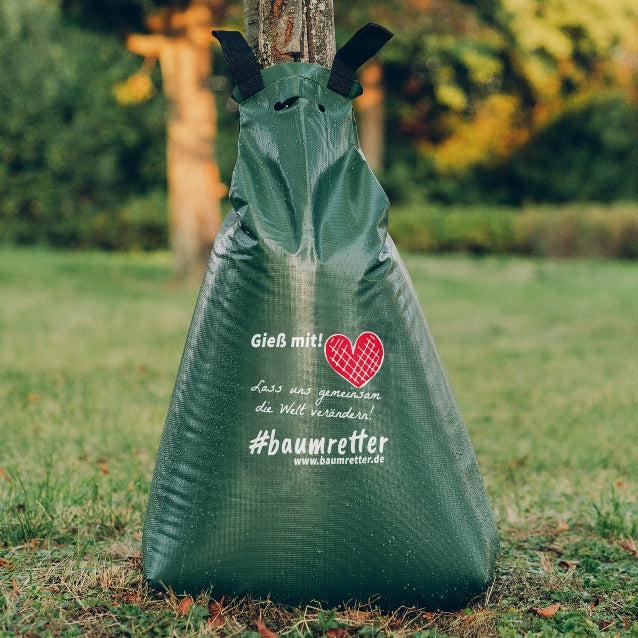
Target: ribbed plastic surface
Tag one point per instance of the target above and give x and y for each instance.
(313, 448)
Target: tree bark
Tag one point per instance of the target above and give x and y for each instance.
(303, 31)
(182, 44)
(290, 30)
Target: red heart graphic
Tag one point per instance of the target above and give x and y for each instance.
(359, 364)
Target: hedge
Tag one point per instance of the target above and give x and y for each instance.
(587, 230)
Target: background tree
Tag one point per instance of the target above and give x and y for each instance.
(177, 33)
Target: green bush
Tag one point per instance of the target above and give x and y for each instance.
(68, 151)
(435, 229)
(574, 231)
(589, 152)
(140, 224)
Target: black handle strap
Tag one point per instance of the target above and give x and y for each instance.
(242, 62)
(365, 43)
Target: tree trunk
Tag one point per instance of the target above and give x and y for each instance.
(371, 115)
(290, 30)
(193, 178)
(304, 31)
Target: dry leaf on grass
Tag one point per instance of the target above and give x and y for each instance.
(476, 616)
(216, 613)
(136, 560)
(4, 563)
(546, 612)
(184, 606)
(395, 623)
(263, 630)
(358, 615)
(629, 545)
(340, 632)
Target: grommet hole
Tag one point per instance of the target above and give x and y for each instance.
(321, 107)
(286, 104)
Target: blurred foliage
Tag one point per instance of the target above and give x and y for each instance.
(479, 94)
(498, 101)
(68, 151)
(587, 230)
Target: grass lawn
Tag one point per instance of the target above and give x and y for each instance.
(543, 356)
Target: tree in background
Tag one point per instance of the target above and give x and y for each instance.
(177, 33)
(477, 97)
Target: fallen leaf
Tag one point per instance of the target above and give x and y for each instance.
(357, 615)
(132, 598)
(136, 559)
(104, 468)
(5, 563)
(395, 623)
(263, 630)
(15, 586)
(562, 526)
(629, 545)
(475, 616)
(4, 474)
(216, 613)
(547, 612)
(184, 606)
(32, 397)
(569, 564)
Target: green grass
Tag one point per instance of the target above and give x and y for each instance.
(543, 356)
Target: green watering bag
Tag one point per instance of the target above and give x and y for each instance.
(313, 448)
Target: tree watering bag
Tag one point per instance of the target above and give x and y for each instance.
(313, 448)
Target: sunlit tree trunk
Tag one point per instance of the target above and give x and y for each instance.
(182, 43)
(290, 30)
(371, 115)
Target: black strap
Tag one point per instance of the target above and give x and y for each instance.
(365, 43)
(242, 62)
